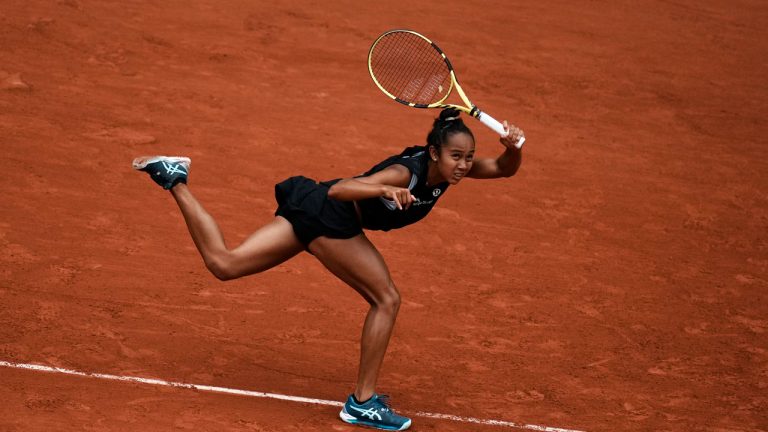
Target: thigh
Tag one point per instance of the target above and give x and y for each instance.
(357, 262)
(269, 246)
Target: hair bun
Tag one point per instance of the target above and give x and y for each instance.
(449, 114)
(446, 115)
(448, 123)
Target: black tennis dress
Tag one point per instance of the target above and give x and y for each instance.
(305, 203)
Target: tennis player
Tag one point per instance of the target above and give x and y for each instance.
(327, 219)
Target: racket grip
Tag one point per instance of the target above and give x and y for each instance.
(497, 127)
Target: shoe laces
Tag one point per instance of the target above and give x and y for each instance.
(384, 402)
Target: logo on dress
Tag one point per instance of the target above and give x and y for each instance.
(436, 192)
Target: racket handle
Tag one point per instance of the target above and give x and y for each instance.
(497, 127)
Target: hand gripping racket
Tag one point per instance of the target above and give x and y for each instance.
(412, 70)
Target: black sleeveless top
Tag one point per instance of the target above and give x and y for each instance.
(382, 214)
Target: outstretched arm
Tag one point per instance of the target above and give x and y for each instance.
(390, 183)
(507, 164)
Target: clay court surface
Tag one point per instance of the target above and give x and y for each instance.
(616, 283)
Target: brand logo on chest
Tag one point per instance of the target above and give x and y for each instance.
(437, 192)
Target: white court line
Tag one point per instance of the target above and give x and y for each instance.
(159, 382)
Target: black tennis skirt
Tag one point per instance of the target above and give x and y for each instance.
(306, 205)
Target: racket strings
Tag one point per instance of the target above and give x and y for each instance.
(410, 68)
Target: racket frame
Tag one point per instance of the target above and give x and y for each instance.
(470, 108)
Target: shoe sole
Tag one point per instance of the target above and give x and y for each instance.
(357, 422)
(141, 162)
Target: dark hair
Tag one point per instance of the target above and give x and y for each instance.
(449, 123)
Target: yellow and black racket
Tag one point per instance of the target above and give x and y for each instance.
(412, 70)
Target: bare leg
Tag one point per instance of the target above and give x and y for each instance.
(357, 262)
(271, 245)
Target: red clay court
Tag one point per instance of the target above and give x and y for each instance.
(618, 282)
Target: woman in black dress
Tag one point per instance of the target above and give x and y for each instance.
(327, 219)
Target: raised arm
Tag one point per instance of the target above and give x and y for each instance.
(390, 183)
(507, 164)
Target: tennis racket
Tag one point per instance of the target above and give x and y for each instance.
(412, 70)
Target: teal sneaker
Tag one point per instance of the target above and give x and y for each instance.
(375, 413)
(166, 171)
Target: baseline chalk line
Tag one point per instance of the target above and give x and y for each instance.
(159, 382)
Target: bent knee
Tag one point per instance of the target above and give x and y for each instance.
(221, 267)
(388, 300)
